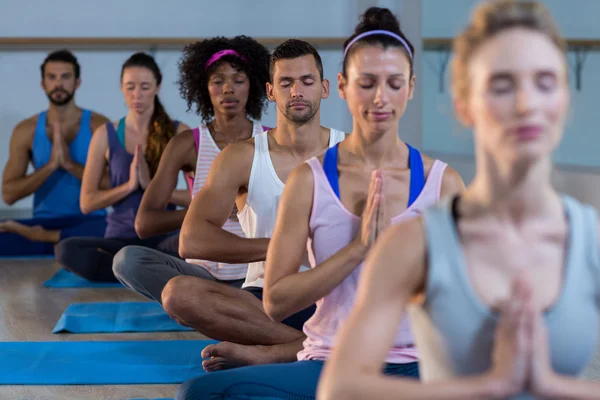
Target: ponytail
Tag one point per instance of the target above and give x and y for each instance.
(162, 129)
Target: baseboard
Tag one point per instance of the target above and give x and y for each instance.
(15, 213)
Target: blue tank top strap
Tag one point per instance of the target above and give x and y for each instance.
(121, 132)
(417, 174)
(331, 170)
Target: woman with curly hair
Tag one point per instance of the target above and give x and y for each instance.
(131, 148)
(225, 81)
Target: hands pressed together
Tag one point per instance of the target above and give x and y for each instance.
(139, 172)
(521, 359)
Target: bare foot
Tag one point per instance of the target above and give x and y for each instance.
(227, 355)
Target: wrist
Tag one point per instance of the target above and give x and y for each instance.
(68, 165)
(547, 387)
(497, 387)
(359, 250)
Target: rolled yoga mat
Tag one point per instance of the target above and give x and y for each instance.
(101, 363)
(66, 279)
(113, 317)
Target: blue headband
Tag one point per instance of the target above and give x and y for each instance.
(379, 32)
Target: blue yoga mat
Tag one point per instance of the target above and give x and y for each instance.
(29, 257)
(101, 363)
(116, 317)
(66, 279)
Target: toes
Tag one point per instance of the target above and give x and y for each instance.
(209, 351)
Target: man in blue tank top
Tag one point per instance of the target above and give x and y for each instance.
(55, 142)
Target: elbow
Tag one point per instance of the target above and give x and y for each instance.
(192, 246)
(8, 197)
(85, 204)
(274, 309)
(142, 227)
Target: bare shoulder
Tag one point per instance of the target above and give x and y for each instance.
(24, 130)
(301, 179)
(452, 182)
(97, 120)
(235, 161)
(182, 127)
(183, 139)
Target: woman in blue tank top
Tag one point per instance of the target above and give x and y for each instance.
(504, 280)
(131, 149)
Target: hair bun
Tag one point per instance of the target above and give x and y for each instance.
(378, 18)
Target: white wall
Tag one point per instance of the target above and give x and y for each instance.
(576, 19)
(19, 70)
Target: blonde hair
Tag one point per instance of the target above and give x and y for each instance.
(491, 18)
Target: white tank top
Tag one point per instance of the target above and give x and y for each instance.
(207, 152)
(258, 216)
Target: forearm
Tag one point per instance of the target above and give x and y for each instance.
(381, 387)
(563, 387)
(99, 199)
(74, 169)
(150, 223)
(299, 290)
(16, 189)
(181, 197)
(207, 241)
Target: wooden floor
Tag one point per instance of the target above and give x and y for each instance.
(29, 312)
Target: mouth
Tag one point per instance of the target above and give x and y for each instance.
(380, 115)
(298, 106)
(229, 102)
(529, 131)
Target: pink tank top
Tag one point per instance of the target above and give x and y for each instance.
(332, 227)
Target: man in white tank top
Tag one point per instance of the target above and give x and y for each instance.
(251, 176)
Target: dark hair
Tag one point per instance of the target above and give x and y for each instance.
(376, 18)
(162, 128)
(491, 18)
(193, 78)
(294, 48)
(62, 56)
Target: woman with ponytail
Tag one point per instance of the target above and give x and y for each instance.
(337, 204)
(228, 92)
(131, 149)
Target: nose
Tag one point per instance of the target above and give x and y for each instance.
(381, 96)
(228, 87)
(526, 99)
(296, 92)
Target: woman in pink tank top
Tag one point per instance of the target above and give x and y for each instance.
(336, 205)
(224, 79)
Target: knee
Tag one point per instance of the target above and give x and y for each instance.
(67, 250)
(127, 262)
(173, 297)
(176, 299)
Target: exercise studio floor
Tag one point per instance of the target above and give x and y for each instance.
(29, 312)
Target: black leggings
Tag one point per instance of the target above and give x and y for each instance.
(92, 258)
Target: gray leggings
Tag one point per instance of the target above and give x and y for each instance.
(147, 271)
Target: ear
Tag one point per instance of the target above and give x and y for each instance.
(270, 94)
(158, 89)
(461, 110)
(77, 83)
(325, 86)
(411, 87)
(342, 85)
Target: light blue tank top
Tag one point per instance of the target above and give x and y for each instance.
(59, 195)
(454, 330)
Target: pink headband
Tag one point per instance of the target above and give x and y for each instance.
(222, 53)
(380, 32)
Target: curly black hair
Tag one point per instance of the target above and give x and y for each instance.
(193, 79)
